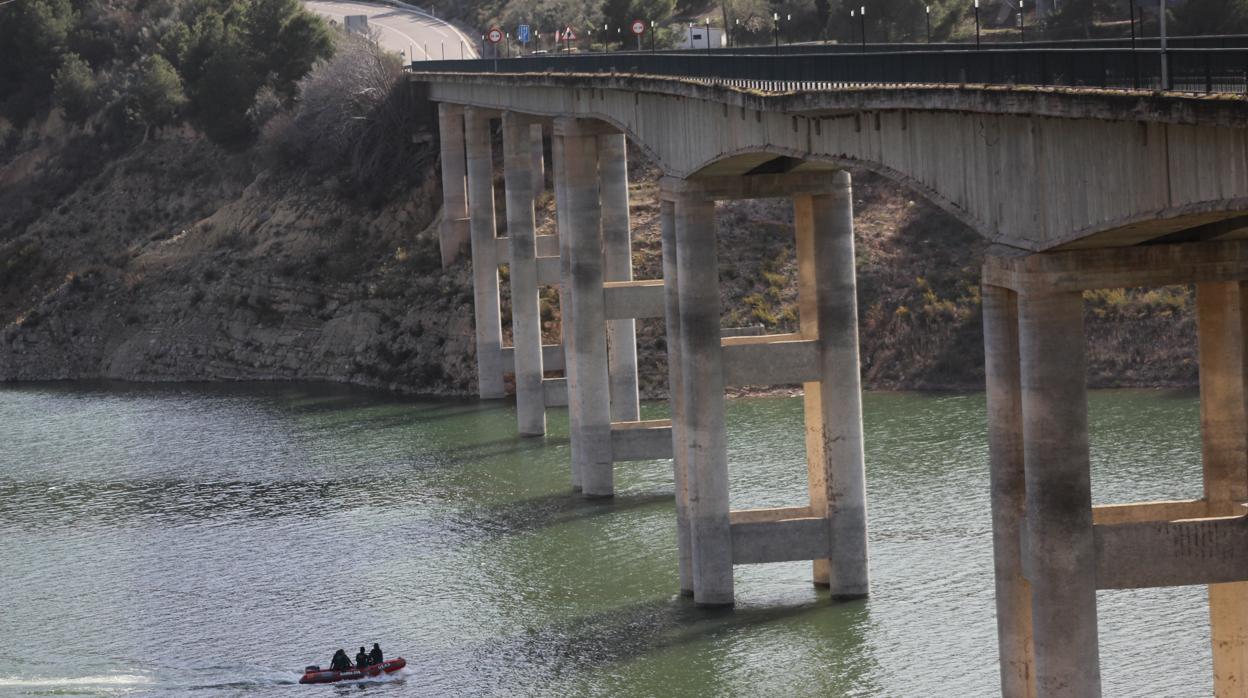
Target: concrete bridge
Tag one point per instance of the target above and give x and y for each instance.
(1078, 188)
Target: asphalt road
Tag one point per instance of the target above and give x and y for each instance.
(414, 34)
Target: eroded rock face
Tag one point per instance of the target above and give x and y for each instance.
(226, 277)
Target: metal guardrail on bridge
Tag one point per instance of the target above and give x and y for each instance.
(1201, 70)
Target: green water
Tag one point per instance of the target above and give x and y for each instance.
(165, 539)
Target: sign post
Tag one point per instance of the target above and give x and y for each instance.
(494, 36)
(639, 28)
(524, 34)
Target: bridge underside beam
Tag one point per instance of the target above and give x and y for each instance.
(783, 359)
(634, 299)
(1171, 553)
(547, 246)
(552, 358)
(641, 440)
(1119, 267)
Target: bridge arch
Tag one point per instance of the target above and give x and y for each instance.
(1035, 169)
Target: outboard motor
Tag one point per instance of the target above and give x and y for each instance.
(310, 669)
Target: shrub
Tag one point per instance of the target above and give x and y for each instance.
(75, 88)
(160, 94)
(34, 34)
(355, 113)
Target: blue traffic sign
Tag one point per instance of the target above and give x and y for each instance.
(522, 33)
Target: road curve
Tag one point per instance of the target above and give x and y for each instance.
(410, 32)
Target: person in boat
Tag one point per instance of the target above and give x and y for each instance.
(340, 662)
(375, 657)
(361, 659)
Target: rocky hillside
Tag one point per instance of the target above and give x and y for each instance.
(179, 261)
(176, 260)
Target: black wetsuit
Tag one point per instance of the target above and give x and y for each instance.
(374, 657)
(340, 662)
(361, 660)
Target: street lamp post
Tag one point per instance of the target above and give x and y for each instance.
(605, 38)
(928, 14)
(1022, 22)
(862, 16)
(707, 28)
(1165, 63)
(977, 25)
(1131, 4)
(775, 18)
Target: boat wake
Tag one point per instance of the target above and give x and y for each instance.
(105, 681)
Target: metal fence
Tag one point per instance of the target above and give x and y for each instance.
(1204, 70)
(1212, 41)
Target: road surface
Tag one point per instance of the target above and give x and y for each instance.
(414, 34)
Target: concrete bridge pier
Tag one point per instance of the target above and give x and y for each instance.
(526, 321)
(537, 152)
(1221, 315)
(831, 529)
(453, 234)
(480, 160)
(676, 394)
(589, 396)
(618, 248)
(600, 303)
(1053, 549)
(468, 213)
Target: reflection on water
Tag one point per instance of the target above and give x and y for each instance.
(219, 538)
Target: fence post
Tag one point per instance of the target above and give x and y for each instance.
(1208, 73)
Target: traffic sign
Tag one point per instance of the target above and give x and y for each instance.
(495, 35)
(569, 35)
(523, 33)
(639, 27)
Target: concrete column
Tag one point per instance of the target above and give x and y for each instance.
(1006, 473)
(621, 334)
(538, 154)
(526, 320)
(565, 301)
(453, 234)
(1061, 551)
(836, 470)
(590, 397)
(1220, 309)
(676, 396)
(484, 256)
(702, 375)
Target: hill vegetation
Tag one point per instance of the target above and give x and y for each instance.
(137, 66)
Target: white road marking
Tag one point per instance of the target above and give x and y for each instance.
(402, 30)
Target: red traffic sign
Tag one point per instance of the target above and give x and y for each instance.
(495, 35)
(639, 27)
(569, 35)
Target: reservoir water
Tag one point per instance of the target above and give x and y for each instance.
(212, 540)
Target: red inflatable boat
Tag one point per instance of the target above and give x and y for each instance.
(314, 674)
